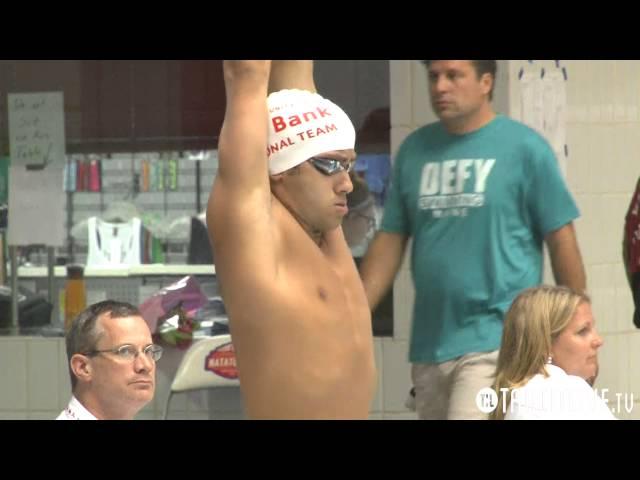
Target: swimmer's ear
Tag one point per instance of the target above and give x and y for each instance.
(81, 367)
(277, 178)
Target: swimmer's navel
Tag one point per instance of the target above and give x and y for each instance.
(323, 294)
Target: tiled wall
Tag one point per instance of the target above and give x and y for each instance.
(34, 378)
(603, 122)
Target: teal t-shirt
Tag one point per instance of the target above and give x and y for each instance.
(478, 207)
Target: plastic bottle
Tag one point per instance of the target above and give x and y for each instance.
(75, 295)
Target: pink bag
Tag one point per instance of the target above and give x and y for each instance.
(185, 293)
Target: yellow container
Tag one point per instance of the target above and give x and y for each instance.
(75, 295)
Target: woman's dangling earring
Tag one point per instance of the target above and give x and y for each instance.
(549, 360)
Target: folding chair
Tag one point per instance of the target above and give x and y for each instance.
(208, 363)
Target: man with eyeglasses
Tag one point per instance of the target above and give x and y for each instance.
(299, 317)
(112, 363)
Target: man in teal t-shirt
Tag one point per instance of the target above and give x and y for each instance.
(478, 193)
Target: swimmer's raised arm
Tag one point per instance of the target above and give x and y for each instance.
(287, 74)
(239, 208)
(242, 144)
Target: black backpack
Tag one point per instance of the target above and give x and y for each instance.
(33, 310)
(631, 250)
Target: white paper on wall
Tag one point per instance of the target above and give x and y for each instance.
(532, 103)
(555, 106)
(36, 206)
(543, 108)
(36, 128)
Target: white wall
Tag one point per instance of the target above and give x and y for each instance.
(603, 128)
(603, 123)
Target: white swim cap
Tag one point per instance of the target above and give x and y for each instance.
(303, 124)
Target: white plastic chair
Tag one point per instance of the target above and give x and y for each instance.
(208, 363)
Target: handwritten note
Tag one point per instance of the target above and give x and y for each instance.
(36, 206)
(36, 128)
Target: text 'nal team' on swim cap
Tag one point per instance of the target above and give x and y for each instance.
(304, 124)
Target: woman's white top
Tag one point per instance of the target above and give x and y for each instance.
(557, 397)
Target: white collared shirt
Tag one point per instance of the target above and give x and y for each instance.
(75, 411)
(557, 397)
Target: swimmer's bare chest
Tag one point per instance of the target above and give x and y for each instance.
(316, 358)
(302, 337)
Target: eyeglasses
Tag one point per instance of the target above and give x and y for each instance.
(330, 166)
(129, 352)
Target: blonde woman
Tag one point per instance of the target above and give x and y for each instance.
(549, 351)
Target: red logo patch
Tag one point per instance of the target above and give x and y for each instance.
(222, 362)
